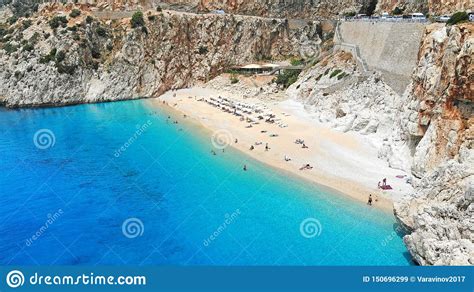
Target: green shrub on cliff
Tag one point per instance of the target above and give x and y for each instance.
(56, 21)
(335, 73)
(233, 79)
(28, 47)
(101, 31)
(202, 50)
(458, 17)
(60, 56)
(66, 69)
(75, 13)
(296, 62)
(49, 57)
(397, 11)
(26, 23)
(342, 75)
(10, 48)
(350, 14)
(12, 20)
(137, 19)
(287, 78)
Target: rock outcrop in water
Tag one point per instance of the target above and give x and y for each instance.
(89, 60)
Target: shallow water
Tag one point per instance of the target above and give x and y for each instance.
(66, 202)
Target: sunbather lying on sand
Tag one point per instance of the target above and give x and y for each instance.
(306, 166)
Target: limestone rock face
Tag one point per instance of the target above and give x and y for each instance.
(439, 118)
(340, 95)
(108, 60)
(293, 9)
(433, 7)
(440, 215)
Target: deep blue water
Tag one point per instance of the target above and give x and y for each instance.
(67, 204)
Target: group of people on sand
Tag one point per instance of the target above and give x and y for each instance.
(384, 185)
(381, 185)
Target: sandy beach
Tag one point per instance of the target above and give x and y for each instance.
(345, 162)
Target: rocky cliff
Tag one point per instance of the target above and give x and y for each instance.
(437, 124)
(428, 131)
(292, 9)
(432, 7)
(85, 59)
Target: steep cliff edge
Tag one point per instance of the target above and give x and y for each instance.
(292, 9)
(438, 120)
(87, 59)
(432, 7)
(427, 131)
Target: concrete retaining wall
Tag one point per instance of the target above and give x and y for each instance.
(391, 48)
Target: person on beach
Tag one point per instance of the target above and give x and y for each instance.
(266, 147)
(304, 146)
(236, 141)
(251, 147)
(369, 202)
(384, 182)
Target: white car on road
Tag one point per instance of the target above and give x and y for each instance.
(444, 18)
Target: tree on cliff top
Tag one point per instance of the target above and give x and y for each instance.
(137, 19)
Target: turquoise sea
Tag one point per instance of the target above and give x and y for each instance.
(115, 184)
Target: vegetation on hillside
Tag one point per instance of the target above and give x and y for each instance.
(233, 79)
(137, 20)
(57, 21)
(458, 17)
(75, 13)
(397, 11)
(287, 78)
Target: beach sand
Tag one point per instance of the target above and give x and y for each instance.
(345, 162)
